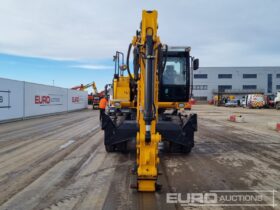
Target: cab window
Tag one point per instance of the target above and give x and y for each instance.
(174, 72)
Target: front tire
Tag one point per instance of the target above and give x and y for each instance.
(177, 148)
(186, 149)
(109, 148)
(123, 147)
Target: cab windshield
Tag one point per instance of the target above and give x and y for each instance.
(175, 71)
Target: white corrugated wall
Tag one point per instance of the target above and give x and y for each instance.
(22, 99)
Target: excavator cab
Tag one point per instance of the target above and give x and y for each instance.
(175, 79)
(175, 90)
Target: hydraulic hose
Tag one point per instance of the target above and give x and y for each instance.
(127, 61)
(136, 64)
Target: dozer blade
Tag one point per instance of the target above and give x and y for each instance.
(177, 136)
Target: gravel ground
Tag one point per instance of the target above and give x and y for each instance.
(59, 162)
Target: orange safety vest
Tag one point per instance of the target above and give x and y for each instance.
(103, 103)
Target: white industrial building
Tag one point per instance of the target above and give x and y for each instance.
(207, 81)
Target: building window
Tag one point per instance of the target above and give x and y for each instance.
(277, 75)
(222, 88)
(200, 76)
(269, 83)
(249, 87)
(200, 87)
(225, 76)
(249, 76)
(200, 98)
(277, 87)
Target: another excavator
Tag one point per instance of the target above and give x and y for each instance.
(93, 98)
(149, 103)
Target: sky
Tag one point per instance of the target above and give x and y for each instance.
(70, 42)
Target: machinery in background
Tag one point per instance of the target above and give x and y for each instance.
(221, 100)
(94, 98)
(120, 88)
(149, 104)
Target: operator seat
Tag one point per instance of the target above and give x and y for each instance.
(169, 75)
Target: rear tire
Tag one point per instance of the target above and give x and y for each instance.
(174, 148)
(123, 147)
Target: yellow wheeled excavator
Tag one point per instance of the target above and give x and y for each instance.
(148, 104)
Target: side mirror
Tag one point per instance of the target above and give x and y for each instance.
(196, 64)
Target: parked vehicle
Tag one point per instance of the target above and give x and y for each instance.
(221, 100)
(269, 101)
(254, 101)
(277, 101)
(231, 103)
(95, 102)
(243, 102)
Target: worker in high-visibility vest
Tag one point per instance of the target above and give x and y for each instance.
(102, 106)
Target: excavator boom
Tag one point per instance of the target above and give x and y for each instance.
(147, 138)
(150, 103)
